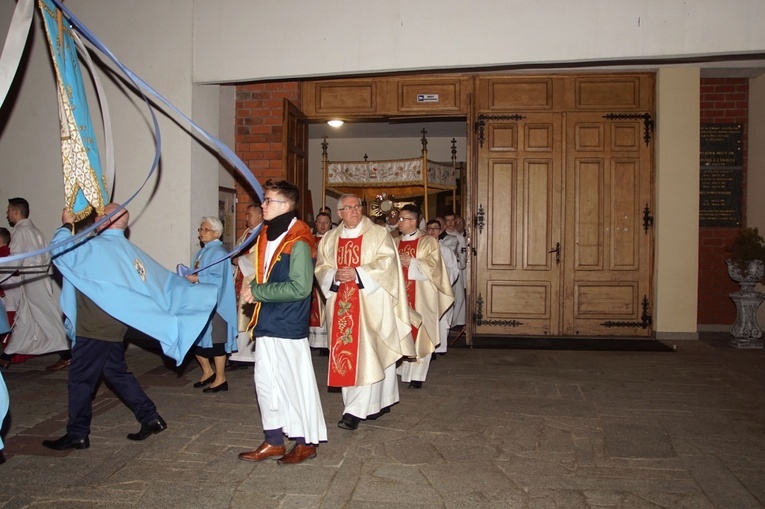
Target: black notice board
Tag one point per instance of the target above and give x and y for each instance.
(721, 145)
(721, 175)
(720, 196)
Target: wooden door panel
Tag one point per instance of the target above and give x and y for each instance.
(517, 282)
(607, 178)
(601, 92)
(588, 231)
(530, 299)
(617, 300)
(537, 210)
(625, 208)
(503, 138)
(502, 213)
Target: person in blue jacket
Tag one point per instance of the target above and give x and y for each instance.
(219, 336)
(108, 285)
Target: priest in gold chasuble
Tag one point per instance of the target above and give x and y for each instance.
(369, 326)
(429, 291)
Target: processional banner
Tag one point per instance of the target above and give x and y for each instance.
(85, 187)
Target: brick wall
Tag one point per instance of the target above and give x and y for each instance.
(723, 100)
(259, 120)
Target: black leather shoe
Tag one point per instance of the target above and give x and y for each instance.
(415, 384)
(206, 381)
(378, 414)
(2, 458)
(217, 388)
(148, 429)
(349, 422)
(67, 442)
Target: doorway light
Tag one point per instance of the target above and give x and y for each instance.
(335, 123)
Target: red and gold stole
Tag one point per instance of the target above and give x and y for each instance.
(344, 336)
(409, 247)
(314, 319)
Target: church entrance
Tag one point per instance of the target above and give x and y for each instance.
(557, 191)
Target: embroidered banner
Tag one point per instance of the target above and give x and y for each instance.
(85, 187)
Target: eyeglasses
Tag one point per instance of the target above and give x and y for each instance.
(266, 201)
(349, 207)
(200, 230)
(433, 228)
(406, 219)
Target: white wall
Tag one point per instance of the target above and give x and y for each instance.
(289, 38)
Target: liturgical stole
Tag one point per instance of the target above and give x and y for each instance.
(314, 319)
(344, 336)
(409, 247)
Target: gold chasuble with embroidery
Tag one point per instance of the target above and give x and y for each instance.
(368, 327)
(428, 287)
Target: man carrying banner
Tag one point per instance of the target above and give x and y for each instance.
(110, 284)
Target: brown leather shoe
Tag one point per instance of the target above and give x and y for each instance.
(263, 452)
(298, 454)
(59, 365)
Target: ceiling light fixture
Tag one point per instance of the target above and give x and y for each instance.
(335, 123)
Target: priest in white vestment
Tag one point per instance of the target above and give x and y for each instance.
(246, 347)
(39, 325)
(429, 292)
(369, 327)
(434, 229)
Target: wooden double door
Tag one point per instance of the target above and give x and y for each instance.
(562, 231)
(559, 190)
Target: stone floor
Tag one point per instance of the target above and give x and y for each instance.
(491, 428)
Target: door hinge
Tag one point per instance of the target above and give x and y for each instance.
(647, 219)
(647, 122)
(645, 319)
(480, 125)
(478, 218)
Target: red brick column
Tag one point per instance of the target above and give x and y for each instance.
(725, 101)
(259, 119)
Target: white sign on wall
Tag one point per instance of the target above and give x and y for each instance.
(427, 98)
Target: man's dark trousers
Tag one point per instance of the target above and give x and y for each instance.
(90, 359)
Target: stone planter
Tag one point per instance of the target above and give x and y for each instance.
(746, 331)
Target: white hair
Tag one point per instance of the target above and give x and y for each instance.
(214, 223)
(348, 195)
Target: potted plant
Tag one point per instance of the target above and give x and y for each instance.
(745, 265)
